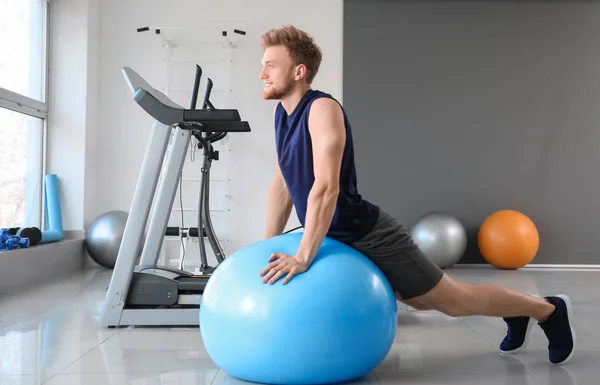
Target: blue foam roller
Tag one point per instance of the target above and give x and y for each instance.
(51, 236)
(336, 322)
(54, 231)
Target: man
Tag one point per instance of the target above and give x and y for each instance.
(315, 173)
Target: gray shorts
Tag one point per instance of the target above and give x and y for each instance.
(390, 246)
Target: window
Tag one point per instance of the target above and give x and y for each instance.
(20, 178)
(23, 110)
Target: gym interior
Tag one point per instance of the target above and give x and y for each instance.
(140, 158)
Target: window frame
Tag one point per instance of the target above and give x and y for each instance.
(26, 105)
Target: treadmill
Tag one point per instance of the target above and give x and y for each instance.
(141, 293)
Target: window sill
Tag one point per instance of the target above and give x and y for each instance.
(24, 269)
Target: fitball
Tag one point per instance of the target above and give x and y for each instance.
(103, 237)
(335, 322)
(508, 239)
(441, 237)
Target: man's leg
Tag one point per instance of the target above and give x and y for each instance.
(420, 283)
(459, 299)
(414, 303)
(554, 314)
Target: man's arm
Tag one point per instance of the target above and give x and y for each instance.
(328, 135)
(280, 205)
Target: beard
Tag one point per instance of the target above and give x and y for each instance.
(276, 93)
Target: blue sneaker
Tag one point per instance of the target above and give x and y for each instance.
(559, 330)
(517, 335)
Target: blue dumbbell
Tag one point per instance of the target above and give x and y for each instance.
(12, 244)
(24, 243)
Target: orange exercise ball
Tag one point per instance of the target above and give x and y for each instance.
(508, 239)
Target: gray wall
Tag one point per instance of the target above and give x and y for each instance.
(473, 107)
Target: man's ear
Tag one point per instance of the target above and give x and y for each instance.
(301, 72)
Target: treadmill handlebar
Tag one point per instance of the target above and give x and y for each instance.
(201, 116)
(217, 126)
(218, 120)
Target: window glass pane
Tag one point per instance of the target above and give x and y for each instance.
(21, 165)
(22, 47)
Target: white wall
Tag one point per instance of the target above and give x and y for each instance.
(119, 130)
(90, 184)
(68, 105)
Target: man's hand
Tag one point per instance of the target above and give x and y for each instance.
(281, 264)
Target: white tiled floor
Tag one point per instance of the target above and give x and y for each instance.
(51, 335)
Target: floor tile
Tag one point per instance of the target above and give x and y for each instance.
(159, 378)
(102, 360)
(518, 378)
(456, 361)
(588, 317)
(52, 334)
(20, 379)
(155, 339)
(434, 330)
(581, 370)
(223, 378)
(43, 363)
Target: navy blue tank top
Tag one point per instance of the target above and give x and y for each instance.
(354, 216)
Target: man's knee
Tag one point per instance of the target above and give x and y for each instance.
(417, 305)
(450, 297)
(413, 302)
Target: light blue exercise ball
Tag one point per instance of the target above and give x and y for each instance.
(335, 322)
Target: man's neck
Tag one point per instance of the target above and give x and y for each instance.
(290, 102)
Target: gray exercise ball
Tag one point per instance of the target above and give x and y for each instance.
(442, 238)
(103, 237)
